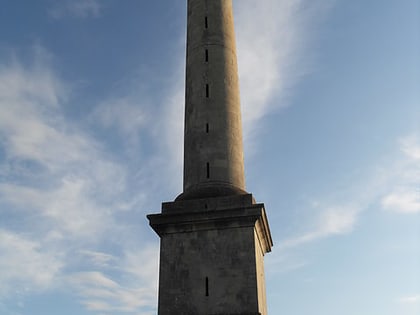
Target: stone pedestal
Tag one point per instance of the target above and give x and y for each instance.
(211, 259)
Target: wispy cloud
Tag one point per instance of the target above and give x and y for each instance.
(134, 290)
(38, 142)
(76, 8)
(410, 145)
(30, 123)
(332, 220)
(26, 266)
(404, 194)
(61, 195)
(99, 259)
(393, 186)
(412, 299)
(403, 200)
(121, 115)
(272, 38)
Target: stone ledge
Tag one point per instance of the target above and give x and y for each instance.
(208, 204)
(185, 222)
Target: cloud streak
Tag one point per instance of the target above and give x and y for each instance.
(393, 186)
(62, 195)
(403, 201)
(76, 8)
(26, 266)
(412, 299)
(331, 221)
(404, 196)
(134, 291)
(272, 38)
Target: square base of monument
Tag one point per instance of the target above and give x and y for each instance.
(211, 262)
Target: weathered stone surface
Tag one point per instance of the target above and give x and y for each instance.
(213, 152)
(212, 261)
(214, 235)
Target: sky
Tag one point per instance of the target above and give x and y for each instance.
(91, 136)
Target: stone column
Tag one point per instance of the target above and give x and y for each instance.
(214, 235)
(213, 150)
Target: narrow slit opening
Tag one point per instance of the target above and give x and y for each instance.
(206, 22)
(207, 128)
(207, 286)
(207, 91)
(208, 170)
(207, 55)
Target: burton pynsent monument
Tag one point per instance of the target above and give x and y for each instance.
(214, 236)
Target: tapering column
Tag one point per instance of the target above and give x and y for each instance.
(214, 236)
(213, 151)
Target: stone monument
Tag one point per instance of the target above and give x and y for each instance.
(213, 237)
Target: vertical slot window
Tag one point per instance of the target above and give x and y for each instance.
(208, 170)
(207, 128)
(207, 286)
(207, 91)
(207, 55)
(206, 22)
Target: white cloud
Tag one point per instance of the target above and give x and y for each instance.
(68, 207)
(26, 265)
(76, 8)
(134, 291)
(272, 37)
(338, 220)
(332, 220)
(63, 173)
(99, 259)
(410, 145)
(148, 257)
(403, 201)
(123, 115)
(30, 125)
(412, 299)
(66, 192)
(95, 279)
(38, 83)
(394, 186)
(404, 195)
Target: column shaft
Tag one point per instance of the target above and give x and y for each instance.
(213, 150)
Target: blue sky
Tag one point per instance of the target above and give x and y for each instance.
(91, 113)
